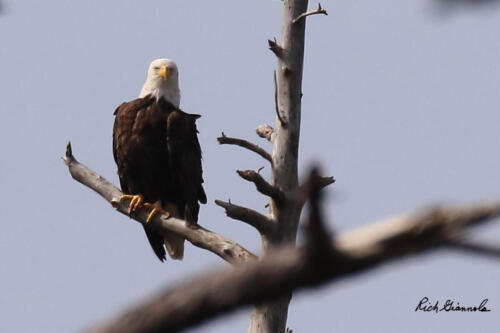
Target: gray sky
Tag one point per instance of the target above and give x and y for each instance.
(401, 104)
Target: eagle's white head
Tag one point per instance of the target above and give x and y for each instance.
(163, 81)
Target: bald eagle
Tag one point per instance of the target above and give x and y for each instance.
(156, 149)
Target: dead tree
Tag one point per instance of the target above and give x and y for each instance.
(284, 210)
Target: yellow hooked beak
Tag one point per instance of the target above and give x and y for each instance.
(162, 72)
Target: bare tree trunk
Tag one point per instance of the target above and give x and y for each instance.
(271, 317)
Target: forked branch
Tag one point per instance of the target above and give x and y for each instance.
(317, 11)
(197, 235)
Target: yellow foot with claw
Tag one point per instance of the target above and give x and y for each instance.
(156, 208)
(136, 201)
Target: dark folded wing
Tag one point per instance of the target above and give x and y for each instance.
(185, 160)
(130, 179)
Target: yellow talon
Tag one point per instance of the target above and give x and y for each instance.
(136, 201)
(151, 215)
(156, 209)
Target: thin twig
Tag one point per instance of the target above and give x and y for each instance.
(470, 246)
(319, 10)
(276, 104)
(262, 185)
(197, 235)
(224, 140)
(262, 223)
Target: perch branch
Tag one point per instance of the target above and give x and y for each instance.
(224, 140)
(197, 235)
(259, 221)
(265, 131)
(318, 10)
(288, 268)
(262, 186)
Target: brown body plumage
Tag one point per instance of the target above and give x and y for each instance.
(156, 149)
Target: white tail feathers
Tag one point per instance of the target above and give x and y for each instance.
(175, 245)
(173, 242)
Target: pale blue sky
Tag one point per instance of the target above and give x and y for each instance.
(401, 105)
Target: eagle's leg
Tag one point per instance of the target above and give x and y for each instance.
(135, 202)
(155, 209)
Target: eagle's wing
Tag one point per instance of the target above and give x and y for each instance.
(125, 117)
(185, 160)
(123, 131)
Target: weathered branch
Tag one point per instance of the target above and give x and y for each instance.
(275, 47)
(262, 223)
(262, 186)
(224, 140)
(288, 268)
(197, 235)
(265, 131)
(319, 10)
